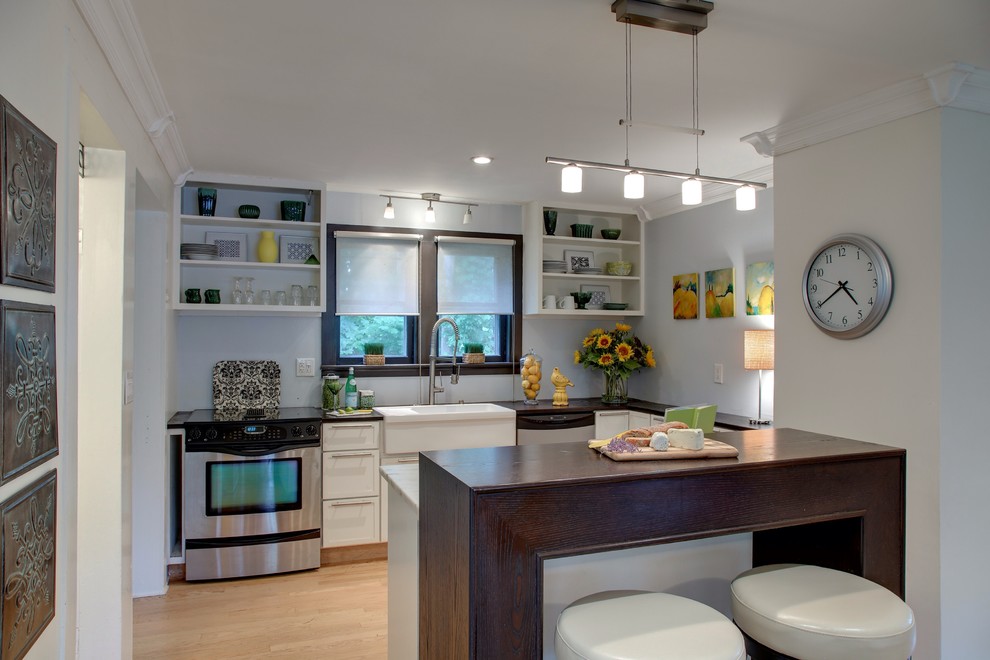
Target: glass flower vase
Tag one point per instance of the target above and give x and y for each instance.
(615, 389)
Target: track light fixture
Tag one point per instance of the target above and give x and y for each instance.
(431, 199)
(676, 16)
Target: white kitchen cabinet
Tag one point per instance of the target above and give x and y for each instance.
(351, 483)
(638, 420)
(610, 422)
(240, 237)
(538, 246)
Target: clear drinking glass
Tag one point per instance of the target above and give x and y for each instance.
(314, 296)
(296, 292)
(266, 297)
(249, 292)
(280, 297)
(238, 296)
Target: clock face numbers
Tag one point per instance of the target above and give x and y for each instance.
(842, 286)
(847, 286)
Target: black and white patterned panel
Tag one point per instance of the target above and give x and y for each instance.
(244, 384)
(227, 248)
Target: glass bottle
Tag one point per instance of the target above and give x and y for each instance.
(531, 372)
(350, 390)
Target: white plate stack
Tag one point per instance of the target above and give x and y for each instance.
(588, 270)
(554, 266)
(199, 251)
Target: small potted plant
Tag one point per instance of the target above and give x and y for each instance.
(374, 353)
(474, 353)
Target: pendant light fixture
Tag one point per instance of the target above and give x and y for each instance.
(570, 179)
(745, 198)
(389, 210)
(634, 183)
(691, 188)
(676, 16)
(430, 215)
(467, 216)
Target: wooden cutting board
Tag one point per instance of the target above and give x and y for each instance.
(712, 449)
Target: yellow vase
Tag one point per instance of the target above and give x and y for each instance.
(267, 248)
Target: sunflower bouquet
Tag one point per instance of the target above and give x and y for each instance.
(616, 353)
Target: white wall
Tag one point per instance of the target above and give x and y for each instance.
(883, 387)
(964, 454)
(695, 241)
(45, 85)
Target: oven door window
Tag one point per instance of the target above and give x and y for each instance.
(264, 486)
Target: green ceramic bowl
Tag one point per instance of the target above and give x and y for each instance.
(611, 234)
(581, 231)
(249, 211)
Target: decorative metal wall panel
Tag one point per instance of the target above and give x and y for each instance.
(245, 384)
(28, 161)
(27, 549)
(30, 420)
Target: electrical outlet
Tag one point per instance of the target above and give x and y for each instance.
(305, 366)
(718, 373)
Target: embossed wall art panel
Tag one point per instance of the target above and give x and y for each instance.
(30, 429)
(27, 215)
(27, 549)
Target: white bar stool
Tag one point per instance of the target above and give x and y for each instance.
(641, 624)
(809, 612)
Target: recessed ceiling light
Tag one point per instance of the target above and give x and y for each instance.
(481, 160)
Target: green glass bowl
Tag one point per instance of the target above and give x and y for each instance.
(611, 234)
(581, 231)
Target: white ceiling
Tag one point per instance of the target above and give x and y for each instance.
(394, 96)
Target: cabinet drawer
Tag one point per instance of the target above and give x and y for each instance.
(350, 522)
(350, 474)
(351, 435)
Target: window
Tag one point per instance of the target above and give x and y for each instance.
(390, 286)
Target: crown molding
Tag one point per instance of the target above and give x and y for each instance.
(712, 193)
(954, 85)
(116, 31)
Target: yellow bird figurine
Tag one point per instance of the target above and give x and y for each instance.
(560, 381)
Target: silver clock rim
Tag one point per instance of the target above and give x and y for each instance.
(885, 286)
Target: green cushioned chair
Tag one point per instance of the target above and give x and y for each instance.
(696, 417)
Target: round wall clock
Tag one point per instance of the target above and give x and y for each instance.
(847, 286)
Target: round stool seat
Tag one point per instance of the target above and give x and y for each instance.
(642, 624)
(812, 612)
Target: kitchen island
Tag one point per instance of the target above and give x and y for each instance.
(488, 518)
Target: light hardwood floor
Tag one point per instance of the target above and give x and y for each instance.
(337, 612)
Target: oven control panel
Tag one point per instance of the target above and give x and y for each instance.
(252, 432)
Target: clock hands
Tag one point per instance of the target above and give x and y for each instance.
(837, 289)
(848, 291)
(839, 286)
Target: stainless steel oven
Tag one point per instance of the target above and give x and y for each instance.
(252, 492)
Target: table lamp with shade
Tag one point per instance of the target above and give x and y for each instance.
(758, 355)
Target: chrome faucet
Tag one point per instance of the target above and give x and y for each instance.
(434, 340)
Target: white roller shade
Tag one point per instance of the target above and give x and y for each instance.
(474, 276)
(377, 273)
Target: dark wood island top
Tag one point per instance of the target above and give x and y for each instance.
(489, 517)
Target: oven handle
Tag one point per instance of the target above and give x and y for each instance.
(252, 450)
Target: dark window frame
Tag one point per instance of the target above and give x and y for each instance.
(418, 333)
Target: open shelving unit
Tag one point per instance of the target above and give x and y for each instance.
(232, 192)
(539, 246)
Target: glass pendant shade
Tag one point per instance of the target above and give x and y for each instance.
(430, 215)
(745, 198)
(389, 211)
(634, 186)
(691, 192)
(570, 179)
(467, 216)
